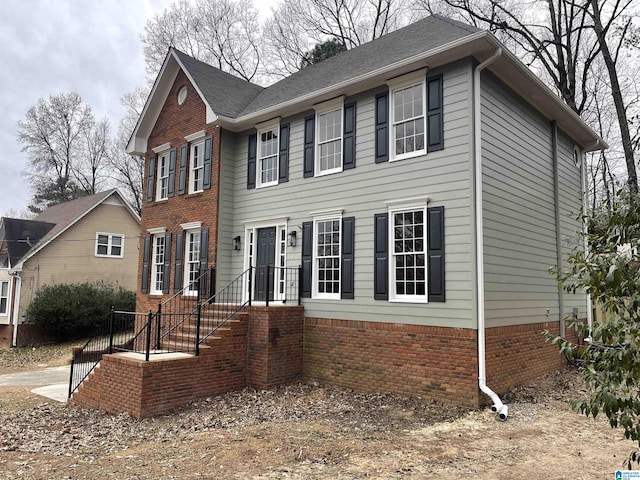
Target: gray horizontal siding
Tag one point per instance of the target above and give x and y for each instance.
(518, 209)
(361, 192)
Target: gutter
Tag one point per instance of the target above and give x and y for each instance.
(500, 408)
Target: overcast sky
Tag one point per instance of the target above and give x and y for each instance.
(55, 46)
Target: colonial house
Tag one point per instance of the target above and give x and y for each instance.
(93, 238)
(424, 183)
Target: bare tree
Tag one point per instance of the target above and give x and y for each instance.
(298, 25)
(562, 45)
(52, 134)
(223, 33)
(90, 170)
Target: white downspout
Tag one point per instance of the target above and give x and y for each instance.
(17, 282)
(585, 199)
(498, 406)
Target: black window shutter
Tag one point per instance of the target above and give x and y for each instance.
(348, 247)
(283, 167)
(182, 175)
(309, 145)
(307, 258)
(146, 254)
(251, 160)
(435, 252)
(177, 264)
(382, 127)
(349, 136)
(204, 257)
(151, 178)
(172, 173)
(381, 257)
(435, 121)
(167, 263)
(206, 181)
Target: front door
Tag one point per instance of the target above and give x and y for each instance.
(266, 256)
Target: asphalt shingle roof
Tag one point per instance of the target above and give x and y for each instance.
(226, 94)
(22, 235)
(232, 97)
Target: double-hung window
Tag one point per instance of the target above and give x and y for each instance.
(408, 116)
(4, 297)
(157, 268)
(329, 138)
(268, 145)
(408, 247)
(327, 248)
(192, 261)
(109, 245)
(162, 187)
(196, 176)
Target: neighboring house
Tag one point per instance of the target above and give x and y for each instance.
(424, 181)
(93, 238)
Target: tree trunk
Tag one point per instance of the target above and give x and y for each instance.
(617, 98)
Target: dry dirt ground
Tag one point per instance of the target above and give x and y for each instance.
(310, 432)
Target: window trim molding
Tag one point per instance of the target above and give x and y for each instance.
(261, 128)
(162, 148)
(109, 245)
(195, 136)
(167, 155)
(577, 157)
(191, 225)
(418, 77)
(323, 217)
(156, 230)
(194, 228)
(396, 207)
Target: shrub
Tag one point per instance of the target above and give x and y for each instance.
(70, 311)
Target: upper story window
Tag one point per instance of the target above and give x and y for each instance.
(4, 297)
(196, 176)
(408, 120)
(162, 188)
(329, 139)
(109, 245)
(267, 167)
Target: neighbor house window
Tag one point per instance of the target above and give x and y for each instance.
(196, 183)
(192, 261)
(162, 188)
(109, 245)
(4, 297)
(157, 269)
(408, 246)
(329, 135)
(268, 142)
(326, 274)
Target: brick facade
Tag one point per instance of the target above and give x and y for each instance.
(173, 123)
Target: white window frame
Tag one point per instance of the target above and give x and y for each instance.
(164, 155)
(109, 244)
(274, 126)
(400, 83)
(5, 298)
(157, 266)
(395, 208)
(196, 169)
(315, 276)
(330, 106)
(188, 232)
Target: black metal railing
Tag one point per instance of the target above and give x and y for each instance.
(116, 332)
(186, 319)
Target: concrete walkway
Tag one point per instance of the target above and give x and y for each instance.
(52, 382)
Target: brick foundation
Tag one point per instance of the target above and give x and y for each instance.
(432, 362)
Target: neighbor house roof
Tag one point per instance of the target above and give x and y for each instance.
(431, 42)
(20, 236)
(59, 218)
